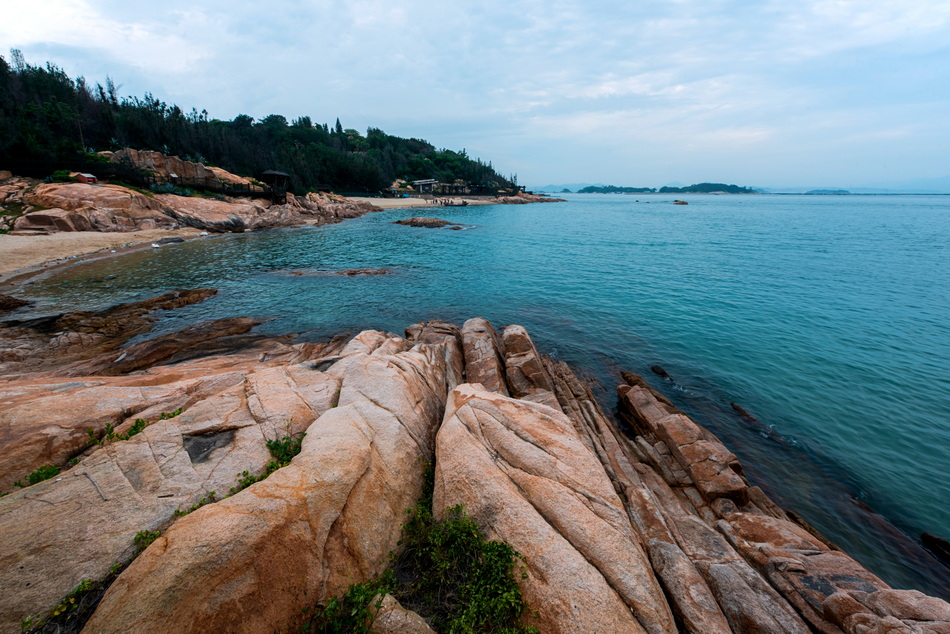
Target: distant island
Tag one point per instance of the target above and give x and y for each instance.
(698, 188)
(828, 192)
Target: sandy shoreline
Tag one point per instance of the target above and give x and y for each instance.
(397, 203)
(23, 257)
(27, 255)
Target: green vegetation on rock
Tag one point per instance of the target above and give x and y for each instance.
(446, 571)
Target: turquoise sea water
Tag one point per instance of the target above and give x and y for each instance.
(826, 317)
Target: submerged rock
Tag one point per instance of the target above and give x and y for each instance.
(428, 223)
(8, 302)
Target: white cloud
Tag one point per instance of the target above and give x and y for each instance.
(78, 23)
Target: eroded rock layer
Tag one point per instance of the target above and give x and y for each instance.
(659, 531)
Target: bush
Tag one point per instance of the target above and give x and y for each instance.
(447, 571)
(45, 472)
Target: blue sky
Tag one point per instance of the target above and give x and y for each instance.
(772, 93)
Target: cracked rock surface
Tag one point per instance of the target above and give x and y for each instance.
(658, 530)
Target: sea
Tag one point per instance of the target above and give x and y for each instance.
(825, 318)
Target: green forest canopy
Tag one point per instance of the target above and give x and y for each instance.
(46, 115)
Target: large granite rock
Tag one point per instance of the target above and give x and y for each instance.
(82, 207)
(164, 166)
(523, 473)
(76, 526)
(227, 215)
(255, 561)
(657, 532)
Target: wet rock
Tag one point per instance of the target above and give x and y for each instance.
(254, 561)
(659, 371)
(428, 223)
(8, 302)
(938, 546)
(352, 272)
(62, 341)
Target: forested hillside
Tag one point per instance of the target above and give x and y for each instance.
(46, 115)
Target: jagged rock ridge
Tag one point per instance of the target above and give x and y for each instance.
(657, 533)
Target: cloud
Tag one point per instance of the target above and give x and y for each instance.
(79, 24)
(701, 80)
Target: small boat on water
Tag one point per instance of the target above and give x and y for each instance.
(680, 202)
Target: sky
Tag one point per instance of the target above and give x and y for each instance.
(772, 93)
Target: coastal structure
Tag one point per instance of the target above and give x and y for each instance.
(655, 532)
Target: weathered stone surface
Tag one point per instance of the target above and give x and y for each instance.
(526, 478)
(252, 562)
(439, 332)
(392, 618)
(82, 207)
(524, 370)
(713, 469)
(228, 177)
(74, 527)
(484, 359)
(226, 216)
(163, 166)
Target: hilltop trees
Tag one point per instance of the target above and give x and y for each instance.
(44, 114)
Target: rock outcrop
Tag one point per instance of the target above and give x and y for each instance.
(255, 561)
(53, 207)
(82, 207)
(659, 531)
(521, 198)
(428, 223)
(168, 167)
(221, 216)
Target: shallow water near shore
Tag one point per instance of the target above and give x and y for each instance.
(823, 316)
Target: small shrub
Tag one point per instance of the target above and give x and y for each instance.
(208, 499)
(45, 472)
(60, 176)
(167, 415)
(143, 539)
(446, 571)
(71, 614)
(139, 425)
(282, 450)
(354, 611)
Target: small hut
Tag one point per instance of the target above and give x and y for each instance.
(276, 179)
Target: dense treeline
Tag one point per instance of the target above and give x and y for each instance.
(707, 188)
(46, 115)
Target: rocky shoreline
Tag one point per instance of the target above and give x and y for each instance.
(657, 530)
